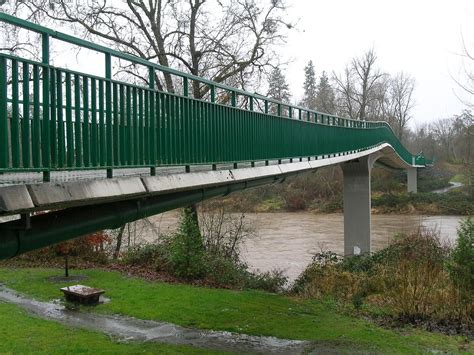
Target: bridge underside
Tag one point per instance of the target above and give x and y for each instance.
(82, 207)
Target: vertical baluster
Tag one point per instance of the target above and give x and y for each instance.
(146, 128)
(86, 123)
(53, 122)
(152, 119)
(116, 125)
(102, 128)
(69, 124)
(128, 129)
(141, 137)
(217, 134)
(77, 120)
(4, 161)
(36, 148)
(60, 119)
(94, 126)
(122, 124)
(109, 114)
(136, 126)
(25, 127)
(15, 123)
(45, 134)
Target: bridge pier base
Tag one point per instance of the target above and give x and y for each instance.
(357, 205)
(412, 177)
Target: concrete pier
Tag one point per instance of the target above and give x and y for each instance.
(357, 205)
(412, 176)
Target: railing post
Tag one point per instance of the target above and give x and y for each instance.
(186, 123)
(151, 80)
(108, 114)
(216, 123)
(45, 136)
(3, 114)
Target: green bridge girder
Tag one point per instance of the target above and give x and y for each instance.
(57, 119)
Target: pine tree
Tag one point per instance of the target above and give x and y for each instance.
(309, 86)
(278, 88)
(325, 97)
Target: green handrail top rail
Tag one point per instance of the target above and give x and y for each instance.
(90, 121)
(137, 60)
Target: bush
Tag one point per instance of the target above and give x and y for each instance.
(187, 249)
(462, 260)
(409, 280)
(154, 256)
(271, 281)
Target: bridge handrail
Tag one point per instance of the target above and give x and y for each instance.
(324, 119)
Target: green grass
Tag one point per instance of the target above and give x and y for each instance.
(458, 178)
(21, 333)
(249, 312)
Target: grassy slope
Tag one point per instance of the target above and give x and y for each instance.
(248, 312)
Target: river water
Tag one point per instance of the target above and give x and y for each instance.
(288, 240)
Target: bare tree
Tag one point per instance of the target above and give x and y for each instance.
(466, 83)
(444, 131)
(218, 40)
(356, 87)
(401, 96)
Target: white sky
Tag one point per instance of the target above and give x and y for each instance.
(422, 38)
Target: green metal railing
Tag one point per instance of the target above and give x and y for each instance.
(57, 119)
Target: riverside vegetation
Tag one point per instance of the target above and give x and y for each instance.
(416, 280)
(321, 192)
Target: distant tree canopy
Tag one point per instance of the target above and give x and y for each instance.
(310, 87)
(278, 88)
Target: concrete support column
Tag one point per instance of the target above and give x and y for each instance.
(357, 205)
(412, 177)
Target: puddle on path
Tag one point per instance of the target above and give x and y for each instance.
(132, 329)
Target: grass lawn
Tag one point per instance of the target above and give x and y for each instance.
(21, 333)
(249, 312)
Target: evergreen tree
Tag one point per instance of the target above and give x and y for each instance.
(187, 248)
(325, 97)
(309, 86)
(278, 88)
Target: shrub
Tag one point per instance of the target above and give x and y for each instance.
(154, 256)
(187, 249)
(408, 280)
(462, 263)
(271, 281)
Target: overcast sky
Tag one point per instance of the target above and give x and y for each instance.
(422, 38)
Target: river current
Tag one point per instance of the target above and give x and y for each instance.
(288, 240)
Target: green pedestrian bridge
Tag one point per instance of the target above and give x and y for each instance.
(91, 152)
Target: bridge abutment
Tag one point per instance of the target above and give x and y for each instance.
(357, 205)
(412, 180)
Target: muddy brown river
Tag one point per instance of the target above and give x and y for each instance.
(288, 240)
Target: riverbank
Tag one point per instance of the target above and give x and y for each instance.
(321, 192)
(245, 312)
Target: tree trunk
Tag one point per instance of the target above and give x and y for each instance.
(66, 265)
(119, 242)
